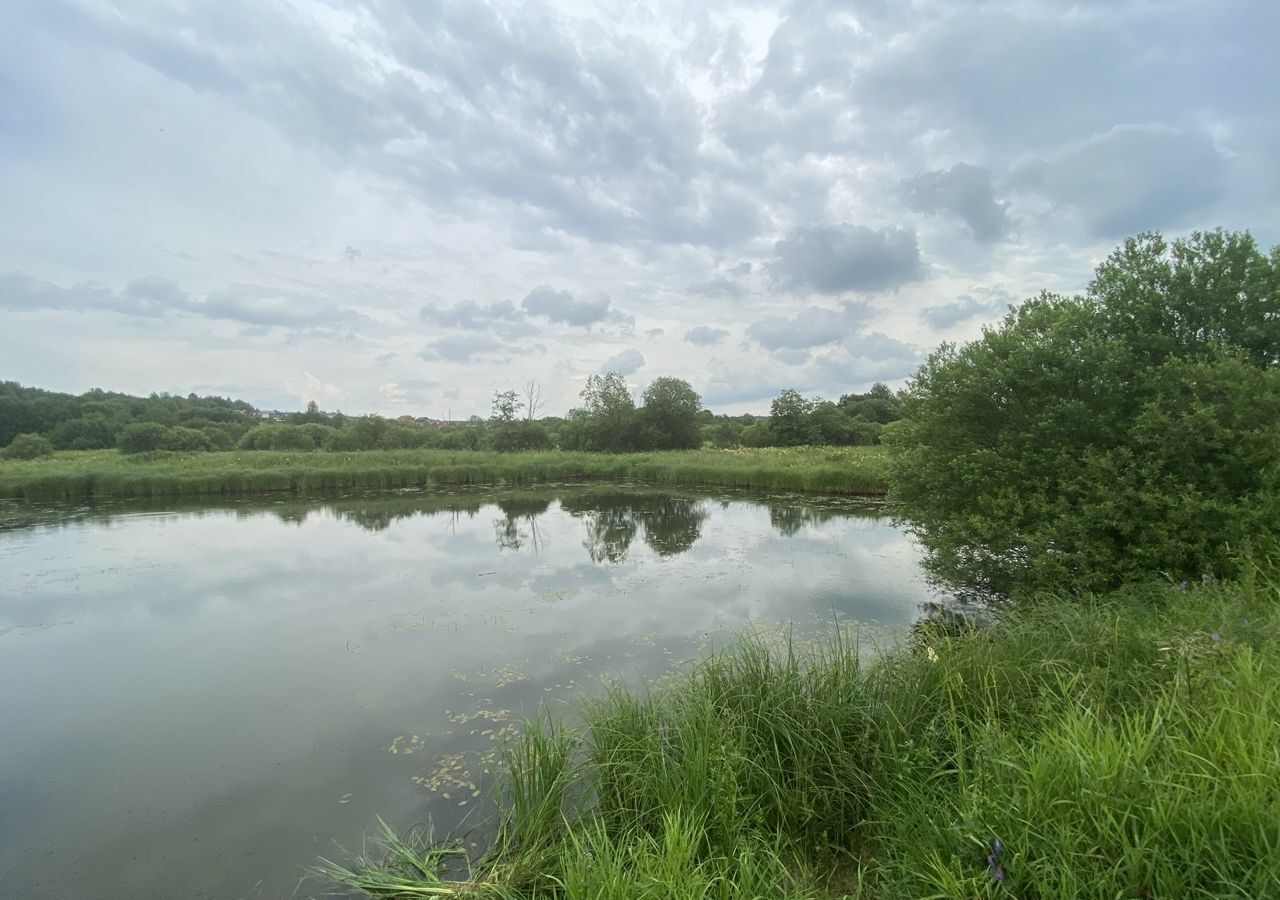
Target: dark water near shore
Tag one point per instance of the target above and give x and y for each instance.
(196, 701)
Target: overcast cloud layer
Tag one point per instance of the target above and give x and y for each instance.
(403, 207)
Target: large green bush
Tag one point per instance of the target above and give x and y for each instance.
(1127, 433)
(28, 446)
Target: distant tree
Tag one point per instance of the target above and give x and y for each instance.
(533, 399)
(669, 418)
(89, 432)
(142, 437)
(756, 435)
(28, 446)
(789, 415)
(522, 435)
(506, 406)
(608, 414)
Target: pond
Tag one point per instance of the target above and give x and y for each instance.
(200, 700)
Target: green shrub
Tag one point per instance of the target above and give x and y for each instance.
(28, 446)
(142, 437)
(1089, 441)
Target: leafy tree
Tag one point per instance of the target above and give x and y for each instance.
(506, 406)
(607, 417)
(521, 435)
(28, 446)
(669, 418)
(89, 432)
(789, 419)
(1124, 434)
(142, 437)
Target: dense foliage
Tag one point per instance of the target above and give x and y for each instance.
(1088, 441)
(28, 446)
(93, 420)
(670, 417)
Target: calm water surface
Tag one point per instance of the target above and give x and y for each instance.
(197, 701)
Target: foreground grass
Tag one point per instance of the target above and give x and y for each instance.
(1125, 746)
(107, 473)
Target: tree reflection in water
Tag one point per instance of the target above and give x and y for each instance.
(670, 525)
(519, 523)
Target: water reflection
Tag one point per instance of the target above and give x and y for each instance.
(212, 693)
(669, 522)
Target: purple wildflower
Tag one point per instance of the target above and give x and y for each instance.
(1215, 637)
(993, 860)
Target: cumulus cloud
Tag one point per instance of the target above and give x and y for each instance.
(963, 190)
(470, 315)
(705, 335)
(152, 296)
(839, 258)
(1131, 178)
(564, 307)
(864, 359)
(717, 287)
(985, 303)
(814, 326)
(467, 348)
(624, 363)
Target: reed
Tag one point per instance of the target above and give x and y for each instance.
(107, 473)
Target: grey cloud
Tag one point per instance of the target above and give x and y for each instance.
(717, 287)
(257, 305)
(471, 348)
(814, 326)
(564, 307)
(471, 315)
(724, 389)
(654, 333)
(794, 357)
(153, 296)
(834, 259)
(597, 138)
(624, 363)
(984, 303)
(863, 359)
(1132, 178)
(963, 190)
(705, 335)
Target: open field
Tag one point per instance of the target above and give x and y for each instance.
(107, 473)
(1124, 746)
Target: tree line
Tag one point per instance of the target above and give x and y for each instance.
(669, 415)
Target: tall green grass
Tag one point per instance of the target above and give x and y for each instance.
(106, 473)
(1126, 746)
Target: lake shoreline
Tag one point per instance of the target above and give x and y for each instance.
(843, 471)
(1010, 761)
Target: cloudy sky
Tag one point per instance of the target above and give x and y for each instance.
(404, 206)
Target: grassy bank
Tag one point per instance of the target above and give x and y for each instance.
(1127, 746)
(107, 473)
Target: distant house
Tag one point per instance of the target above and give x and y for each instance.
(409, 419)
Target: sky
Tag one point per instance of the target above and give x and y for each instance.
(403, 207)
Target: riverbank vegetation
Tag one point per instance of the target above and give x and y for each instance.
(107, 473)
(1086, 747)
